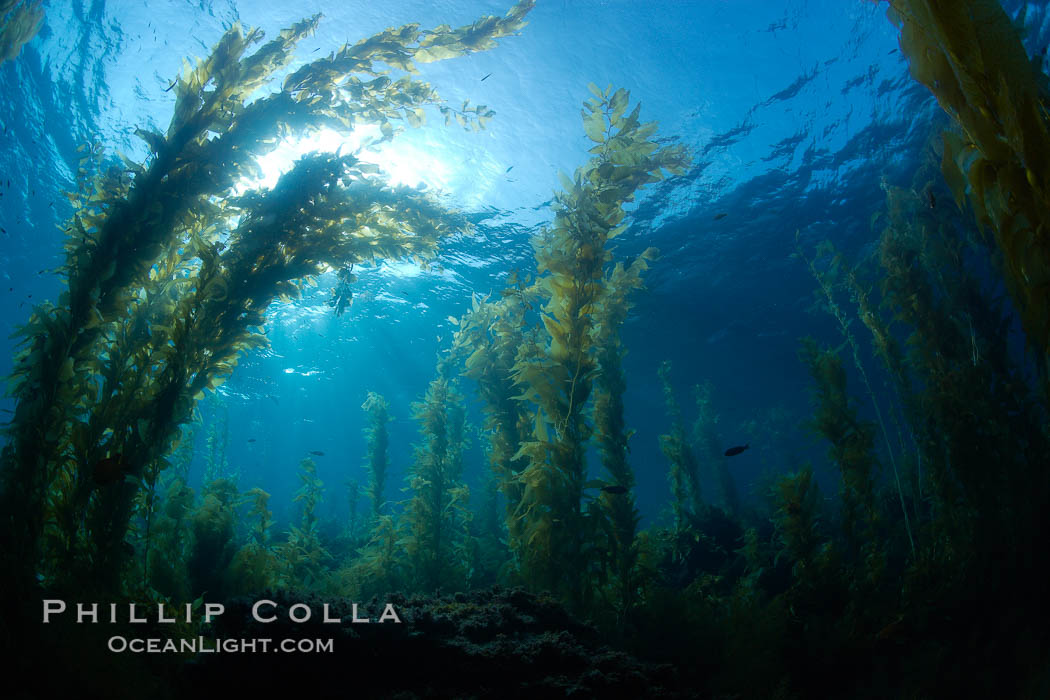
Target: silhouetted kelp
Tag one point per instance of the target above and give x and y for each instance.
(170, 274)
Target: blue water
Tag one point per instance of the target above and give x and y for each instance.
(796, 114)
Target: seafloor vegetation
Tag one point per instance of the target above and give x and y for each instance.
(918, 580)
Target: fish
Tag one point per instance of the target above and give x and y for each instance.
(721, 215)
(733, 451)
(108, 470)
(615, 489)
(509, 169)
(487, 75)
(931, 200)
(317, 453)
(251, 440)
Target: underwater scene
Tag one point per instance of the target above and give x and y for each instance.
(482, 349)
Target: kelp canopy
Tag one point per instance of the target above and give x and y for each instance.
(169, 273)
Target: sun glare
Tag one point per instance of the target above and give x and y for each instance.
(402, 162)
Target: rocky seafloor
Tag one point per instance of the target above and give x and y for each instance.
(495, 643)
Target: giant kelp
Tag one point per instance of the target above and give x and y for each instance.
(970, 55)
(217, 442)
(852, 440)
(683, 471)
(615, 501)
(821, 365)
(378, 439)
(435, 519)
(169, 275)
(488, 340)
(255, 566)
(966, 410)
(707, 444)
(556, 374)
(301, 557)
(20, 20)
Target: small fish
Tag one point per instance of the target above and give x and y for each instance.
(733, 451)
(616, 489)
(721, 215)
(316, 50)
(317, 453)
(509, 169)
(168, 89)
(931, 200)
(108, 470)
(487, 75)
(251, 440)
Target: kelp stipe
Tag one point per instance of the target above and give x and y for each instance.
(255, 565)
(797, 519)
(615, 499)
(557, 374)
(302, 558)
(826, 286)
(708, 445)
(378, 440)
(217, 441)
(683, 471)
(852, 441)
(488, 341)
(436, 517)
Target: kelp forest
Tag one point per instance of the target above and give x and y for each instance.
(914, 577)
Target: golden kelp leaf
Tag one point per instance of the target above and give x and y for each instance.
(540, 431)
(414, 117)
(565, 181)
(594, 126)
(618, 103)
